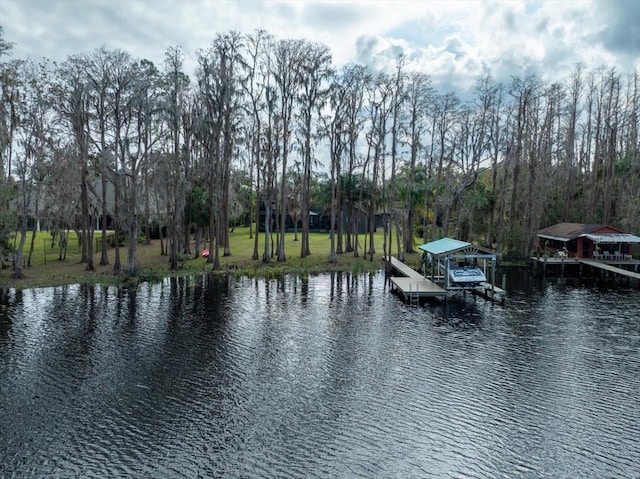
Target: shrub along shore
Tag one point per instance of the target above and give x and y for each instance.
(47, 270)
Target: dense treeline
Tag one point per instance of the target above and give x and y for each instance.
(267, 126)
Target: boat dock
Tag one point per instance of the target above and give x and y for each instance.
(611, 269)
(412, 285)
(623, 268)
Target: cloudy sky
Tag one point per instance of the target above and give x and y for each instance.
(453, 41)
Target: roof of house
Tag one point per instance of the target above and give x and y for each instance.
(569, 231)
(595, 232)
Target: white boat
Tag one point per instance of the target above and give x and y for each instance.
(466, 275)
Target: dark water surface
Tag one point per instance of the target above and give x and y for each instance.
(328, 377)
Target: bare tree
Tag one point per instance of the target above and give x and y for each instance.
(397, 217)
(229, 47)
(419, 94)
(272, 151)
(120, 98)
(355, 83)
(495, 143)
(141, 135)
(9, 97)
(629, 164)
(335, 126)
(73, 103)
(99, 67)
(381, 97)
(316, 69)
(62, 190)
(219, 87)
(445, 111)
(569, 167)
(35, 147)
(473, 145)
(8, 122)
(175, 102)
(287, 73)
(254, 87)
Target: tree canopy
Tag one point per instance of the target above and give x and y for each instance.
(268, 130)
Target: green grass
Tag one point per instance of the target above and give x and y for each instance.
(47, 270)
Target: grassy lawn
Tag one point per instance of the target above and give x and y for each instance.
(47, 270)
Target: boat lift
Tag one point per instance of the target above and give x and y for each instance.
(441, 258)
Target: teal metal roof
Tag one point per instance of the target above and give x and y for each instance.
(444, 245)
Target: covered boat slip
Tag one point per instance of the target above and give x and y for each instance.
(459, 264)
(449, 265)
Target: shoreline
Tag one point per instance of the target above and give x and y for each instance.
(155, 268)
(267, 272)
(48, 271)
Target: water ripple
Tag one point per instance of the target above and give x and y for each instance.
(330, 376)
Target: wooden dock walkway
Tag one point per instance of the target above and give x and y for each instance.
(610, 268)
(404, 269)
(412, 285)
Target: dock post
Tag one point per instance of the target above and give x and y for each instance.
(493, 272)
(533, 266)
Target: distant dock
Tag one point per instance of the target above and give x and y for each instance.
(610, 269)
(623, 268)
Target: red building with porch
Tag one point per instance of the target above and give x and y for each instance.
(577, 240)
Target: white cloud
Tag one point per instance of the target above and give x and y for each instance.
(457, 43)
(454, 41)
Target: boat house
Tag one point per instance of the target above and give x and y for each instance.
(458, 264)
(589, 241)
(449, 265)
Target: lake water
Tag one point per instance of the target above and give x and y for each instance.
(332, 376)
